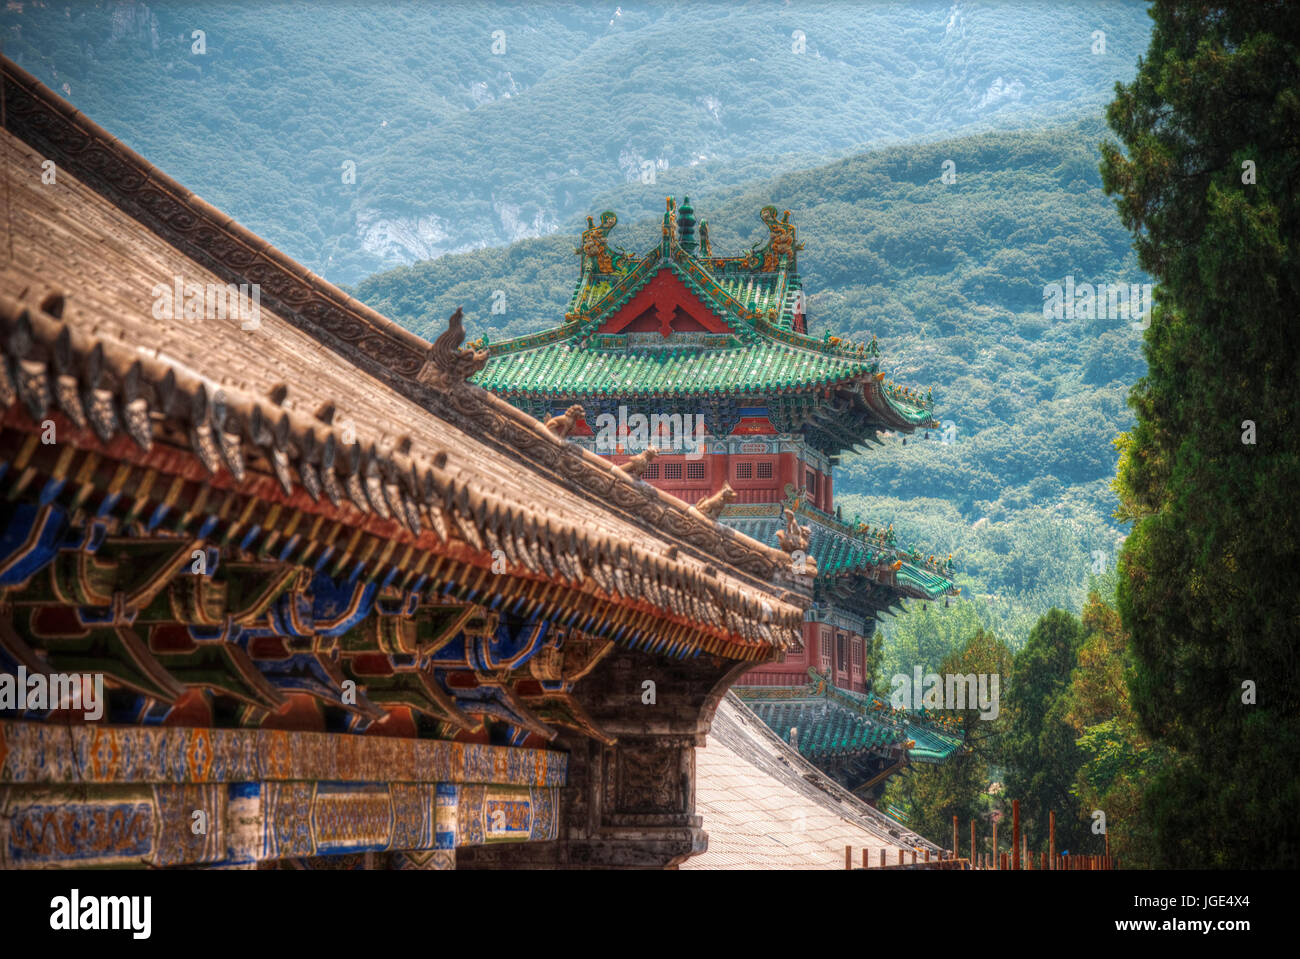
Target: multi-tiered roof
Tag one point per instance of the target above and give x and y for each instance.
(721, 334)
(722, 329)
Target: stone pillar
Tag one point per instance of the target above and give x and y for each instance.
(630, 805)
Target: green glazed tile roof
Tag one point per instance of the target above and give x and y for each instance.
(566, 369)
(837, 722)
(839, 550)
(825, 729)
(753, 295)
(933, 742)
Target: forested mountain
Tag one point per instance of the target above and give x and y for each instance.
(950, 278)
(455, 126)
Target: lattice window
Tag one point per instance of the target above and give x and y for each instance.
(651, 472)
(673, 471)
(810, 481)
(744, 471)
(695, 471)
(764, 470)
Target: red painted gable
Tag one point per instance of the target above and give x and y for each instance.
(664, 305)
(750, 425)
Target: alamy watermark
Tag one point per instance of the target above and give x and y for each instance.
(632, 433)
(82, 692)
(1084, 301)
(75, 912)
(950, 691)
(210, 301)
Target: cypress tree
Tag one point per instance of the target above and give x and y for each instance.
(1207, 179)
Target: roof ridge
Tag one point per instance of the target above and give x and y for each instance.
(370, 341)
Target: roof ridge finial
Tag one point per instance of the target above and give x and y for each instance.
(686, 226)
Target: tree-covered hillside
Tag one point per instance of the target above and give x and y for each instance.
(950, 277)
(455, 126)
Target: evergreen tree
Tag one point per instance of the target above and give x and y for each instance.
(1119, 760)
(1039, 748)
(931, 795)
(1206, 180)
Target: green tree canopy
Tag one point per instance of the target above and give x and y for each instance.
(1206, 178)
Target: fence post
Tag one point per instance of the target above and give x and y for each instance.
(1051, 836)
(848, 857)
(1015, 835)
(996, 863)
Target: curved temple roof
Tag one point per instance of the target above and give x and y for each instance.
(767, 807)
(836, 722)
(703, 326)
(315, 366)
(848, 556)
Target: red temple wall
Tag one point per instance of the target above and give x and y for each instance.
(821, 652)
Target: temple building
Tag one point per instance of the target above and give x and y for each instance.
(280, 587)
(283, 586)
(697, 371)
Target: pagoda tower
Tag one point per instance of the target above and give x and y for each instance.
(709, 360)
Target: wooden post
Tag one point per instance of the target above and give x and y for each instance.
(996, 863)
(848, 857)
(972, 843)
(882, 855)
(927, 855)
(1051, 836)
(1043, 862)
(914, 857)
(900, 857)
(865, 864)
(954, 837)
(1015, 835)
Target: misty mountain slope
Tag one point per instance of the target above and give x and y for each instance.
(457, 147)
